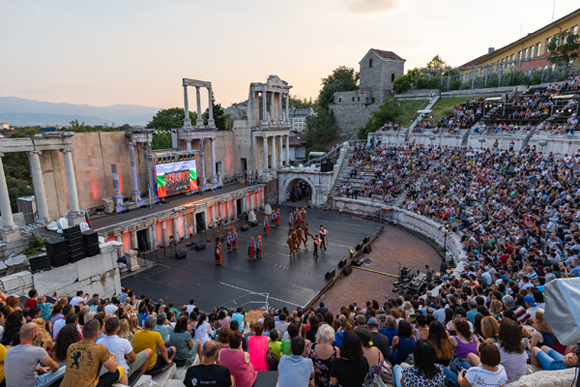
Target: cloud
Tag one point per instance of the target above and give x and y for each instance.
(91, 39)
(369, 7)
(19, 7)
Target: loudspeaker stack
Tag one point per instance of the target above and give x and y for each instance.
(330, 274)
(74, 243)
(56, 251)
(91, 243)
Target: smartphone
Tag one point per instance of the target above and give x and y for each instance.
(54, 295)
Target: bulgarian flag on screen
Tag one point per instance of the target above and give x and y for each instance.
(174, 178)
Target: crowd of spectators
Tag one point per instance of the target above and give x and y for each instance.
(392, 169)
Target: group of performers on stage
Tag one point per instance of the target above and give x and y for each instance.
(297, 236)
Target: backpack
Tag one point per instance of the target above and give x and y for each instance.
(272, 361)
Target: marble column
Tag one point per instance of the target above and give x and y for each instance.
(153, 236)
(188, 144)
(186, 121)
(287, 107)
(262, 201)
(134, 240)
(210, 121)
(281, 156)
(264, 105)
(136, 196)
(176, 233)
(214, 174)
(274, 163)
(199, 120)
(287, 150)
(235, 204)
(121, 249)
(280, 115)
(201, 157)
(272, 108)
(38, 184)
(265, 153)
(193, 223)
(165, 233)
(71, 183)
(7, 220)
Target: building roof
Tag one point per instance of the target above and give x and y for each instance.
(386, 54)
(297, 141)
(523, 39)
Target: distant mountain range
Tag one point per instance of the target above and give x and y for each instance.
(25, 112)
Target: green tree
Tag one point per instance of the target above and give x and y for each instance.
(563, 47)
(342, 79)
(171, 118)
(17, 134)
(161, 141)
(407, 81)
(125, 128)
(437, 63)
(298, 103)
(320, 128)
(219, 116)
(16, 189)
(389, 111)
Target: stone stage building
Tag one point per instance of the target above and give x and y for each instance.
(378, 71)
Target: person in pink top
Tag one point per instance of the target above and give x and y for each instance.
(238, 361)
(258, 348)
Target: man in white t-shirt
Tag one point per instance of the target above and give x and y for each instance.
(124, 354)
(112, 307)
(58, 324)
(79, 299)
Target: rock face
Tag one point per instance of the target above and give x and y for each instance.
(109, 205)
(15, 264)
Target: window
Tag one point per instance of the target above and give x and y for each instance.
(548, 43)
(340, 100)
(352, 99)
(393, 77)
(372, 100)
(371, 63)
(519, 54)
(526, 51)
(512, 58)
(538, 49)
(357, 99)
(574, 30)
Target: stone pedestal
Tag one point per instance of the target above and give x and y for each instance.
(10, 236)
(74, 219)
(132, 263)
(16, 264)
(109, 205)
(118, 200)
(267, 210)
(136, 197)
(252, 217)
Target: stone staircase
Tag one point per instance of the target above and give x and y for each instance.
(418, 119)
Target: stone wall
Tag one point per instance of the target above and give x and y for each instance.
(98, 274)
(450, 140)
(352, 109)
(378, 77)
(271, 192)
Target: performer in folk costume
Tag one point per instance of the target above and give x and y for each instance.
(291, 245)
(322, 233)
(218, 252)
(298, 218)
(229, 241)
(251, 249)
(303, 214)
(306, 233)
(296, 242)
(301, 237)
(259, 247)
(266, 225)
(235, 239)
(273, 218)
(296, 210)
(278, 217)
(316, 244)
(291, 221)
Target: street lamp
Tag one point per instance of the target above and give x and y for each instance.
(482, 141)
(543, 143)
(445, 232)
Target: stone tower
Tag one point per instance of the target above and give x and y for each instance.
(379, 69)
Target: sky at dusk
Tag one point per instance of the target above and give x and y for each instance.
(136, 52)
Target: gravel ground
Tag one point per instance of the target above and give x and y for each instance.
(393, 245)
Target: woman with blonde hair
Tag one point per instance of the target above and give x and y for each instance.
(543, 334)
(489, 329)
(495, 308)
(134, 324)
(43, 338)
(125, 331)
(89, 316)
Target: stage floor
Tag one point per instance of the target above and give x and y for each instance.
(290, 282)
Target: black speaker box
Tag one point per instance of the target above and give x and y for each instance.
(72, 230)
(181, 254)
(343, 262)
(76, 245)
(330, 274)
(245, 227)
(255, 223)
(326, 167)
(91, 251)
(39, 263)
(359, 246)
(200, 246)
(357, 262)
(347, 270)
(368, 249)
(367, 239)
(55, 246)
(90, 237)
(58, 260)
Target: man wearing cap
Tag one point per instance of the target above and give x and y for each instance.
(532, 306)
(379, 340)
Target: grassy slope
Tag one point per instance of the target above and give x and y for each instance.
(409, 109)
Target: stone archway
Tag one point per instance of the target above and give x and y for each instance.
(292, 178)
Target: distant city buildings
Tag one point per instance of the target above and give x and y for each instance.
(298, 117)
(5, 126)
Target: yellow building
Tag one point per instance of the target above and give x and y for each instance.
(524, 54)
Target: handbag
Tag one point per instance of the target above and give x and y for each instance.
(272, 361)
(386, 372)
